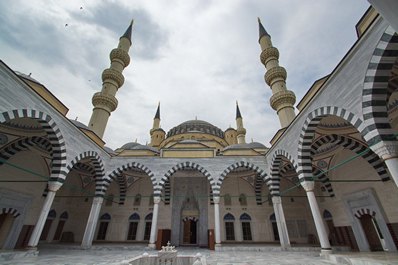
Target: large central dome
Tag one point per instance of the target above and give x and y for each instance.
(193, 126)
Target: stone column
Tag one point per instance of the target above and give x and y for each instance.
(217, 235)
(152, 239)
(35, 237)
(92, 222)
(316, 214)
(281, 222)
(388, 151)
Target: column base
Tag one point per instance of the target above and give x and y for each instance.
(326, 251)
(31, 248)
(152, 245)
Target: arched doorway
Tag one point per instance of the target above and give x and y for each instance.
(62, 219)
(372, 232)
(190, 228)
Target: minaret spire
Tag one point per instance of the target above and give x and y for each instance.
(261, 30)
(241, 131)
(157, 133)
(157, 115)
(105, 102)
(282, 99)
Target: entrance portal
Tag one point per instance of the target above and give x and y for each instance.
(372, 235)
(190, 228)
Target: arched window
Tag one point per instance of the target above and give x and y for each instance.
(134, 219)
(137, 200)
(246, 229)
(62, 219)
(243, 199)
(227, 200)
(148, 225)
(104, 222)
(47, 226)
(272, 218)
(229, 220)
(333, 236)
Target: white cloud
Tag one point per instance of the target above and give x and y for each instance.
(196, 57)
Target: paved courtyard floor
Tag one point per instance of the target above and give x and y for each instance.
(49, 255)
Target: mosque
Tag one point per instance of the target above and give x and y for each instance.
(329, 177)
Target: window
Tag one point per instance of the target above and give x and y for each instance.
(62, 219)
(147, 234)
(227, 200)
(137, 200)
(242, 200)
(51, 216)
(229, 226)
(148, 225)
(104, 222)
(229, 231)
(134, 219)
(246, 229)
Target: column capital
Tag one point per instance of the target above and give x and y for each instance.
(276, 199)
(98, 200)
(156, 199)
(308, 185)
(54, 186)
(216, 199)
(386, 150)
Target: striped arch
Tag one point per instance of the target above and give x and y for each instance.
(181, 166)
(258, 184)
(58, 154)
(322, 176)
(358, 214)
(304, 168)
(377, 89)
(23, 145)
(261, 175)
(117, 175)
(275, 180)
(11, 211)
(98, 168)
(357, 147)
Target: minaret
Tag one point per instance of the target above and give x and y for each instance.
(282, 100)
(157, 133)
(105, 102)
(241, 131)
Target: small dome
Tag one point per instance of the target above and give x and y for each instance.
(197, 126)
(129, 145)
(79, 124)
(137, 146)
(109, 150)
(253, 145)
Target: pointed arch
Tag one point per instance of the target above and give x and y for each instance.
(24, 144)
(363, 211)
(358, 148)
(304, 168)
(181, 166)
(276, 162)
(117, 175)
(377, 91)
(58, 154)
(98, 169)
(11, 211)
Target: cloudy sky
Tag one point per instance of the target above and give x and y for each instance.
(195, 57)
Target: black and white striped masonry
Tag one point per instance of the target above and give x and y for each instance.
(377, 89)
(58, 162)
